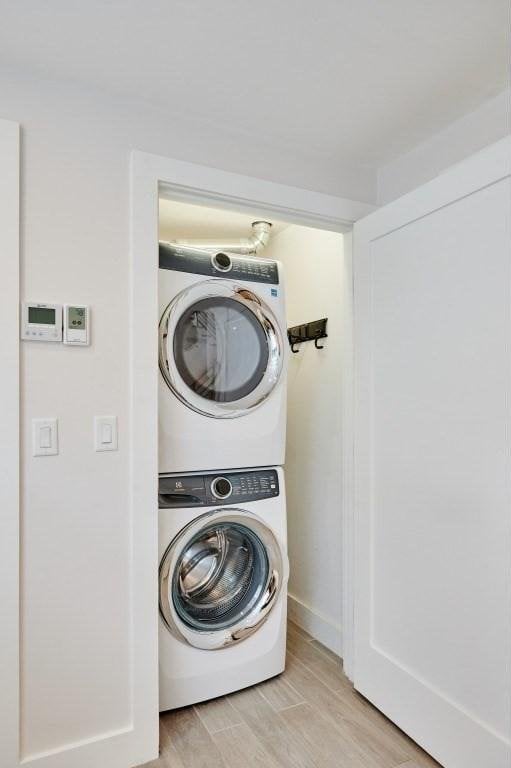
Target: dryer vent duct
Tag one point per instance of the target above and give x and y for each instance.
(245, 246)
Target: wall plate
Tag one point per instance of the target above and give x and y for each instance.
(76, 324)
(45, 437)
(41, 322)
(105, 433)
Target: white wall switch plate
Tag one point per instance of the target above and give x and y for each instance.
(105, 433)
(45, 437)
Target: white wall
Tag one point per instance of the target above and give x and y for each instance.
(313, 272)
(75, 620)
(75, 554)
(486, 125)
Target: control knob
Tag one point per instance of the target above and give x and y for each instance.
(222, 262)
(221, 488)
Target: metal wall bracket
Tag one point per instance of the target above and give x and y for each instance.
(312, 331)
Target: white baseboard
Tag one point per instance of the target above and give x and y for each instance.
(316, 624)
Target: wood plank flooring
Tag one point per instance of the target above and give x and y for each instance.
(309, 717)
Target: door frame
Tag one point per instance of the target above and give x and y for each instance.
(187, 182)
(10, 439)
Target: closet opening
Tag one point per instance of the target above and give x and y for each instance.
(250, 450)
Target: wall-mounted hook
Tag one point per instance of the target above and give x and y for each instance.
(312, 331)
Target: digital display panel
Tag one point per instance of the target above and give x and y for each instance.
(76, 318)
(41, 315)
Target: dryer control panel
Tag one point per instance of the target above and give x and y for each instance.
(220, 264)
(217, 489)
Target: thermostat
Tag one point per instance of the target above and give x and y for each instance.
(76, 324)
(41, 322)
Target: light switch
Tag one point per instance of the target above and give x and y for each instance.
(105, 433)
(45, 438)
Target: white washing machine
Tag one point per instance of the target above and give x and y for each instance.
(222, 583)
(222, 357)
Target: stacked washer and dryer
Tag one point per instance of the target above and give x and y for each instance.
(222, 510)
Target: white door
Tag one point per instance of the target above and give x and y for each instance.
(432, 276)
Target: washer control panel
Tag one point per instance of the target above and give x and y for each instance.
(217, 489)
(221, 264)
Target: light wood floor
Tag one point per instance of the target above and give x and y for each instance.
(309, 717)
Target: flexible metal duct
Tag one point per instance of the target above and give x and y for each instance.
(246, 246)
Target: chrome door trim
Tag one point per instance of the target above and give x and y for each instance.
(278, 574)
(272, 332)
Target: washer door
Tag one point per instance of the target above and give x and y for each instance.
(220, 577)
(221, 349)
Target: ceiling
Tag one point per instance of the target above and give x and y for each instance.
(183, 220)
(340, 82)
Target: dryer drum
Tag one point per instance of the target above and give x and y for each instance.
(219, 576)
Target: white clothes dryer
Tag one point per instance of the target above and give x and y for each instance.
(222, 357)
(222, 583)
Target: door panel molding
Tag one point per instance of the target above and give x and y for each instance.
(436, 288)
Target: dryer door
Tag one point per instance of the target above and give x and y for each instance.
(221, 349)
(220, 578)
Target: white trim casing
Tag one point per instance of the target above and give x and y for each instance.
(9, 443)
(199, 184)
(152, 175)
(347, 422)
(144, 458)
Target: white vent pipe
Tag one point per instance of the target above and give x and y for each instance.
(246, 246)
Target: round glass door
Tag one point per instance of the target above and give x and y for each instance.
(221, 350)
(220, 578)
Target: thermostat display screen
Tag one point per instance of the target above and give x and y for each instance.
(41, 315)
(75, 318)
